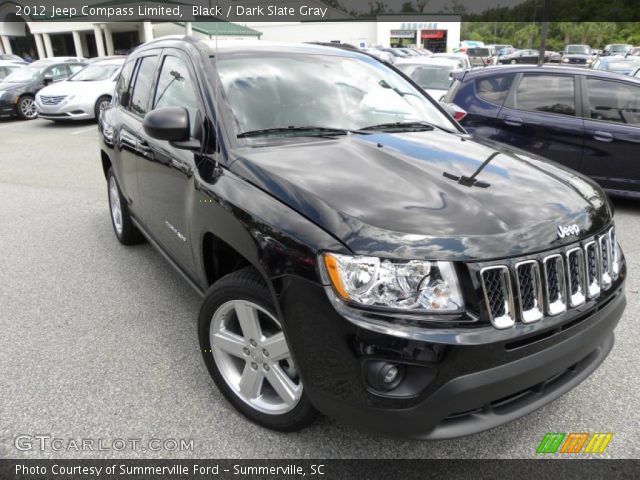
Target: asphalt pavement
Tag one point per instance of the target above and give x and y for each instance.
(98, 341)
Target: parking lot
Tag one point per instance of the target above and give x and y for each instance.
(99, 340)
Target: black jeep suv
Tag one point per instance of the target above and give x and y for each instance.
(358, 254)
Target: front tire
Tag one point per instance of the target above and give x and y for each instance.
(513, 62)
(102, 103)
(245, 350)
(126, 232)
(26, 108)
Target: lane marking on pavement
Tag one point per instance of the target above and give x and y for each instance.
(83, 130)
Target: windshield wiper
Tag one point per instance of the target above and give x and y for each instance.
(311, 130)
(402, 126)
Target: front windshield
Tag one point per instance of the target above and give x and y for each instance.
(620, 48)
(326, 91)
(433, 77)
(95, 73)
(24, 74)
(580, 49)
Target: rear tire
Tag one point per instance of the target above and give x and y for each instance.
(126, 232)
(100, 105)
(250, 360)
(26, 108)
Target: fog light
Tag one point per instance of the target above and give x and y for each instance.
(384, 376)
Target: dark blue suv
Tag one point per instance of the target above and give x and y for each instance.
(587, 120)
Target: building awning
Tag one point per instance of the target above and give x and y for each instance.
(433, 34)
(224, 29)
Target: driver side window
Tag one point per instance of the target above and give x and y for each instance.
(176, 88)
(58, 72)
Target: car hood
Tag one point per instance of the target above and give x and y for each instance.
(387, 194)
(10, 86)
(79, 88)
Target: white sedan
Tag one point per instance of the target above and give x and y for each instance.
(433, 74)
(82, 96)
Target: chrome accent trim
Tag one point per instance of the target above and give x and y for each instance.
(557, 305)
(507, 319)
(615, 253)
(593, 284)
(536, 313)
(577, 298)
(604, 242)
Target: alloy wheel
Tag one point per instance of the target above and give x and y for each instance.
(116, 208)
(28, 108)
(252, 355)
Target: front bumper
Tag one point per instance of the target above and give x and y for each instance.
(477, 386)
(7, 105)
(73, 110)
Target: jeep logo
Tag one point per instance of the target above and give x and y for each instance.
(566, 231)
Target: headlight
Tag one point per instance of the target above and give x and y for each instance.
(68, 98)
(589, 60)
(565, 60)
(415, 285)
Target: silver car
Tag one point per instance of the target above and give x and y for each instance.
(82, 96)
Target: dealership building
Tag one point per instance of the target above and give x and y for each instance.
(36, 38)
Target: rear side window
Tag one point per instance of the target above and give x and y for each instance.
(142, 87)
(545, 94)
(124, 80)
(452, 92)
(614, 102)
(494, 89)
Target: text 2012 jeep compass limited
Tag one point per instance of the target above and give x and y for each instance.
(358, 254)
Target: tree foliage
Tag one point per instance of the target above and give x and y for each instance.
(527, 35)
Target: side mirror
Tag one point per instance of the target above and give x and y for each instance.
(48, 79)
(169, 123)
(124, 99)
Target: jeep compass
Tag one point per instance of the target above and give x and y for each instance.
(357, 253)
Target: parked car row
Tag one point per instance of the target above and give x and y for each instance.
(60, 88)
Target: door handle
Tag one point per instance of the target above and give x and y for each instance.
(143, 147)
(513, 121)
(183, 167)
(603, 136)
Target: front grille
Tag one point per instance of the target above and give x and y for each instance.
(52, 100)
(550, 285)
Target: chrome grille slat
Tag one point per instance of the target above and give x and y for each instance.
(529, 287)
(498, 295)
(555, 284)
(592, 268)
(613, 243)
(604, 241)
(576, 277)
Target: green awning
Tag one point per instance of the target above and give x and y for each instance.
(224, 29)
